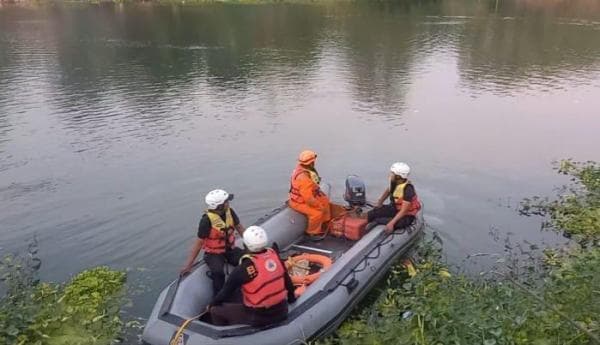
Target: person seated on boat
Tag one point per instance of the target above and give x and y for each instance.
(216, 237)
(305, 195)
(265, 284)
(404, 204)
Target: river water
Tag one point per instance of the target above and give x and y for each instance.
(115, 120)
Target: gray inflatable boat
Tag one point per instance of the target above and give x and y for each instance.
(356, 268)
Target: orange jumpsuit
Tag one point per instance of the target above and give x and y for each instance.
(306, 197)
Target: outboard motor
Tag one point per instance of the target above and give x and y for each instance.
(356, 192)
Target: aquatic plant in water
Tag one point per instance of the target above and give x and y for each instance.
(83, 311)
(576, 209)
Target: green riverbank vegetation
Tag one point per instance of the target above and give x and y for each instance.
(532, 296)
(85, 310)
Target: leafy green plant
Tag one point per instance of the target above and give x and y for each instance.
(576, 209)
(18, 278)
(83, 311)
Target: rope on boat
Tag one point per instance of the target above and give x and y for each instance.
(179, 333)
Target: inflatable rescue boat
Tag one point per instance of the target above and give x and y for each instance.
(332, 275)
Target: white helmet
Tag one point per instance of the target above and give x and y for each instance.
(400, 169)
(216, 198)
(255, 238)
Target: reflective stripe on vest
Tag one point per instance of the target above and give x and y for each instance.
(397, 198)
(295, 195)
(221, 233)
(268, 286)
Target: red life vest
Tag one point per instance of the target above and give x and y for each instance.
(397, 198)
(221, 233)
(295, 195)
(268, 286)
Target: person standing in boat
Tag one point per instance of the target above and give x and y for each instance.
(216, 237)
(305, 195)
(404, 204)
(265, 284)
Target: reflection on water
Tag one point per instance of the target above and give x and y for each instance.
(513, 54)
(116, 119)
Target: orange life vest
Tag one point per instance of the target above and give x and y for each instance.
(295, 195)
(221, 233)
(268, 286)
(397, 198)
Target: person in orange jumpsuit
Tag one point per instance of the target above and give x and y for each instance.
(305, 195)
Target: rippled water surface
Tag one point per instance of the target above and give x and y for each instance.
(116, 120)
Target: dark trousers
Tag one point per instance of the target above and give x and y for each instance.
(216, 265)
(239, 314)
(382, 215)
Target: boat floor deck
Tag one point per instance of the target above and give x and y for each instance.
(330, 246)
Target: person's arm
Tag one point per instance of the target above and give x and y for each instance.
(240, 229)
(234, 281)
(238, 225)
(289, 286)
(203, 232)
(196, 247)
(307, 189)
(409, 194)
(383, 197)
